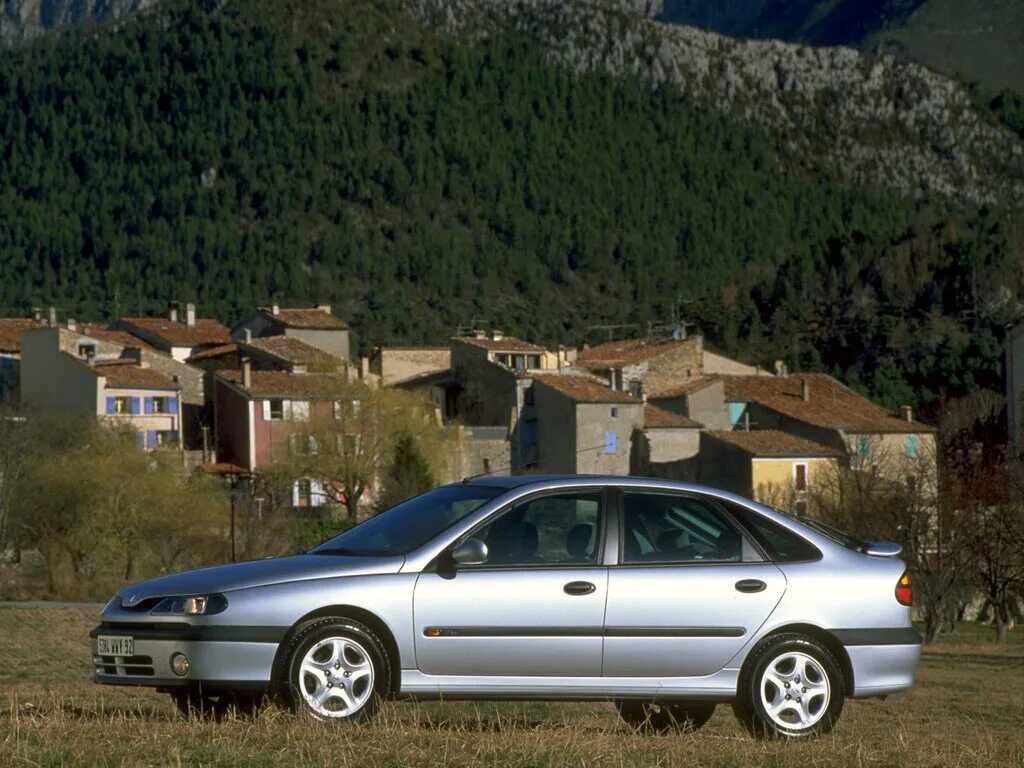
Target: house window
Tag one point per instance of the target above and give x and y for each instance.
(533, 361)
(911, 446)
(276, 410)
(636, 388)
(159, 405)
(122, 405)
(303, 445)
(615, 413)
(84, 350)
(303, 493)
(487, 466)
(611, 443)
(911, 482)
(800, 477)
(528, 396)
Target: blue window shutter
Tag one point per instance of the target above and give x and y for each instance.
(111, 405)
(736, 412)
(151, 438)
(136, 405)
(863, 446)
(147, 404)
(912, 446)
(172, 404)
(140, 440)
(611, 442)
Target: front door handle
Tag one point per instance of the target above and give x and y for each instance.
(751, 585)
(579, 588)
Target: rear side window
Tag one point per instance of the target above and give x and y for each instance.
(779, 543)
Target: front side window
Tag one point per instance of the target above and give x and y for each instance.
(411, 524)
(671, 528)
(554, 529)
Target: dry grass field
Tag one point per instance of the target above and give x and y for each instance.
(966, 710)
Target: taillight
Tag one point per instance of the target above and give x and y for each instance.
(904, 592)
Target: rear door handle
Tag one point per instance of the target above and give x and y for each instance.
(751, 585)
(579, 588)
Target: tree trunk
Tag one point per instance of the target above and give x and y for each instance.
(932, 624)
(1002, 616)
(352, 497)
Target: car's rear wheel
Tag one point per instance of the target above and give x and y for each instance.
(337, 670)
(791, 687)
(661, 716)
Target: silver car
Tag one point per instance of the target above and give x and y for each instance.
(666, 598)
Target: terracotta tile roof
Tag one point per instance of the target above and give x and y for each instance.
(772, 443)
(504, 344)
(691, 386)
(267, 384)
(179, 334)
(659, 418)
(124, 374)
(583, 389)
(11, 329)
(311, 318)
(830, 404)
(212, 352)
(627, 352)
(121, 338)
(293, 351)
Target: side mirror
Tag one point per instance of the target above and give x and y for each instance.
(470, 552)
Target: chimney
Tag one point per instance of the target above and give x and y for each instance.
(364, 367)
(275, 309)
(72, 325)
(779, 367)
(190, 315)
(53, 317)
(38, 314)
(247, 335)
(246, 372)
(324, 308)
(906, 413)
(805, 390)
(497, 335)
(480, 334)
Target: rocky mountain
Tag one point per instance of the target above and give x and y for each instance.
(22, 20)
(886, 121)
(980, 40)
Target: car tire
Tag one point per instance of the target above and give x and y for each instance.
(661, 716)
(790, 687)
(336, 669)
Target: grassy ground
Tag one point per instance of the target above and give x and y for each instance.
(966, 710)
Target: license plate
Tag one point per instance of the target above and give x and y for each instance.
(115, 645)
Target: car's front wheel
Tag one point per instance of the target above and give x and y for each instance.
(658, 717)
(791, 687)
(337, 670)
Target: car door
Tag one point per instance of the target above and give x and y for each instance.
(534, 607)
(688, 591)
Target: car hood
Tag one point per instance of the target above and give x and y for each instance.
(257, 573)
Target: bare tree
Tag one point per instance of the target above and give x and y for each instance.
(349, 438)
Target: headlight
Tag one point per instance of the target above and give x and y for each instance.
(193, 605)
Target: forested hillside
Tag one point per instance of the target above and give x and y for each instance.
(234, 153)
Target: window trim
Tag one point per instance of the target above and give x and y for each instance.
(745, 536)
(600, 546)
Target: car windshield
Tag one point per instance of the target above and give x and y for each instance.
(412, 523)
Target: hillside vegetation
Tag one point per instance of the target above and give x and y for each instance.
(421, 177)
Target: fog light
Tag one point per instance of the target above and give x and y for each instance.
(180, 665)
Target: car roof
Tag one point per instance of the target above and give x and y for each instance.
(555, 481)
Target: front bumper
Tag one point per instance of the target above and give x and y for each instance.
(219, 656)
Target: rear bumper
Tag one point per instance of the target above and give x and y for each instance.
(881, 668)
(230, 663)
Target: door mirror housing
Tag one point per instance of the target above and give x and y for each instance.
(470, 552)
